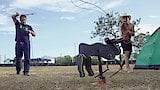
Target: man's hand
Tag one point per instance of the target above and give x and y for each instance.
(17, 14)
(14, 17)
(28, 31)
(31, 32)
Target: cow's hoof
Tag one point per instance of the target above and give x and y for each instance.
(102, 80)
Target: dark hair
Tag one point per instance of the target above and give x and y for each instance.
(23, 16)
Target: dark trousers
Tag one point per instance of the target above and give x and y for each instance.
(22, 49)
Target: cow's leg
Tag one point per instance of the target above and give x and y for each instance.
(107, 66)
(88, 66)
(100, 68)
(121, 62)
(101, 79)
(80, 62)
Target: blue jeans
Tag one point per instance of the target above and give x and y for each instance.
(22, 48)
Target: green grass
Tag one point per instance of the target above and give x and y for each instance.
(67, 78)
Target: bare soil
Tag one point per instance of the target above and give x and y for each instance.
(67, 78)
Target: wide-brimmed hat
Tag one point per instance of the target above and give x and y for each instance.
(125, 15)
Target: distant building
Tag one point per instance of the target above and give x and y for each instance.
(39, 61)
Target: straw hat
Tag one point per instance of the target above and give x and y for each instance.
(125, 15)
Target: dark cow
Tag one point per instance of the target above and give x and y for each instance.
(107, 51)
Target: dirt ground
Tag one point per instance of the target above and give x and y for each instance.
(67, 78)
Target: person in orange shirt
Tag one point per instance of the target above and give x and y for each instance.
(127, 30)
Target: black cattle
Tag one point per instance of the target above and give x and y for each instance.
(107, 51)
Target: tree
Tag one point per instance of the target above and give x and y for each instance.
(140, 39)
(95, 60)
(7, 61)
(59, 60)
(108, 26)
(66, 60)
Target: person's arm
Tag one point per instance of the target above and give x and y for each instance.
(14, 17)
(32, 33)
(131, 31)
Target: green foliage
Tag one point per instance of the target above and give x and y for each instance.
(94, 61)
(7, 61)
(134, 55)
(108, 26)
(66, 60)
(140, 39)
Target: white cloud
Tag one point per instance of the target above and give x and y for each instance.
(114, 3)
(25, 4)
(67, 5)
(45, 4)
(9, 30)
(148, 28)
(52, 5)
(7, 10)
(6, 25)
(153, 16)
(67, 18)
(87, 31)
(3, 19)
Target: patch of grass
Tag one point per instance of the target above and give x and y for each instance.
(67, 78)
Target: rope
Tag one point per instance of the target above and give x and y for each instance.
(103, 12)
(94, 5)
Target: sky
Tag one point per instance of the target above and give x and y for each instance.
(60, 26)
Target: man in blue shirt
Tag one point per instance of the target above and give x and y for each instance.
(22, 42)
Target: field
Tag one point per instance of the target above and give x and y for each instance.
(67, 78)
